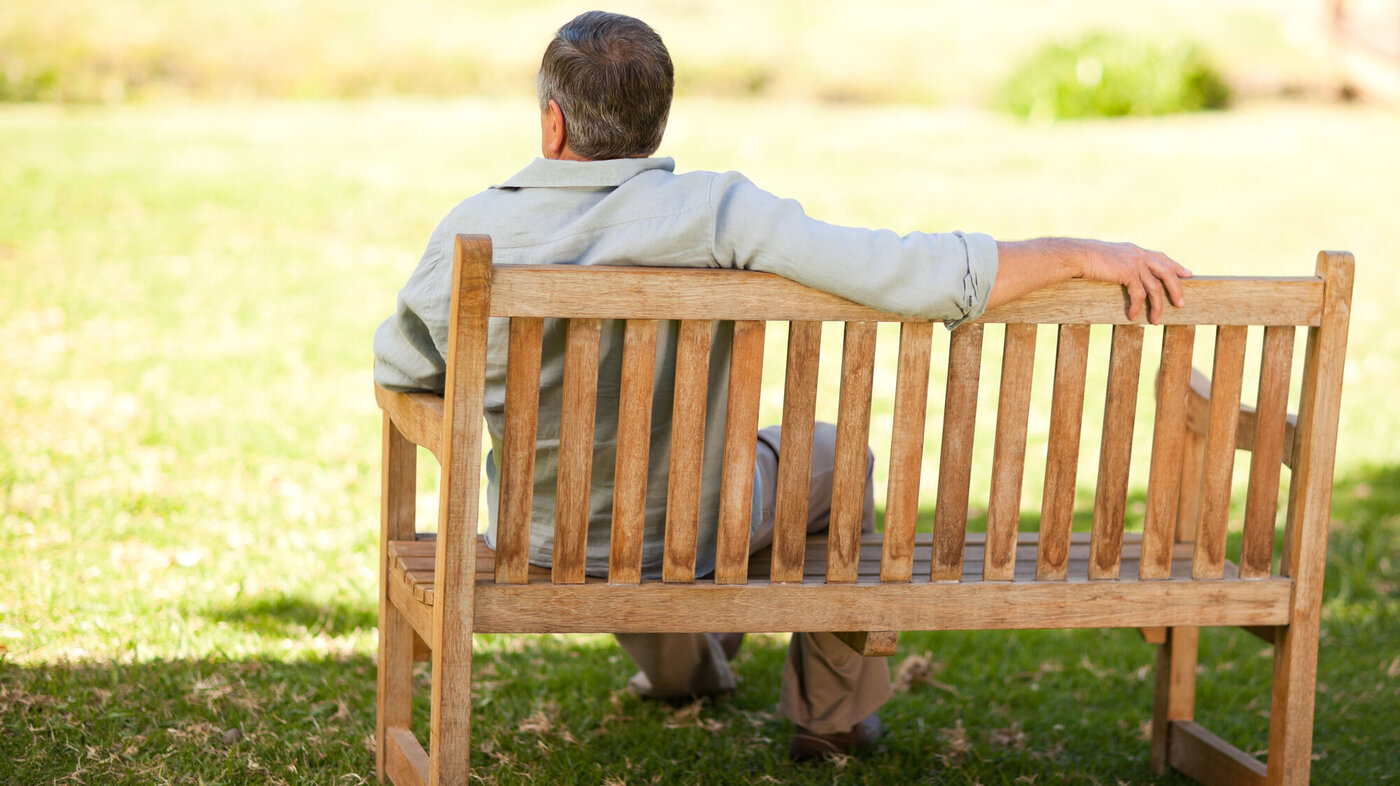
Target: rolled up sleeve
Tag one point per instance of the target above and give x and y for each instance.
(944, 275)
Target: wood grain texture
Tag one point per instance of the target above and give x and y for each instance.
(1295, 651)
(669, 293)
(635, 393)
(406, 764)
(518, 450)
(1197, 753)
(852, 449)
(955, 453)
(1165, 479)
(1174, 694)
(394, 691)
(1062, 453)
(1009, 453)
(580, 401)
(1265, 465)
(740, 445)
(795, 449)
(1116, 450)
(687, 450)
(1227, 377)
(816, 606)
(418, 416)
(906, 450)
(455, 562)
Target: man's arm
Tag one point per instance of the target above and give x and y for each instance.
(1027, 265)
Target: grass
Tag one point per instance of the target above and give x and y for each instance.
(188, 494)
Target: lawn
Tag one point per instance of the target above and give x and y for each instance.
(188, 463)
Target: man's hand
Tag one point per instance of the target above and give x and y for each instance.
(1027, 265)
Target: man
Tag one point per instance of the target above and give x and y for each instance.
(597, 197)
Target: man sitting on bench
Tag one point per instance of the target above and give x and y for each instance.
(598, 198)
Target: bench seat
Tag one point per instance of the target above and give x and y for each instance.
(761, 605)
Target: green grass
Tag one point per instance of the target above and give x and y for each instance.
(188, 463)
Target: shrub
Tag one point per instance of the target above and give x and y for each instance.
(1111, 75)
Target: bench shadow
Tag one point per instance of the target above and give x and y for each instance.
(282, 615)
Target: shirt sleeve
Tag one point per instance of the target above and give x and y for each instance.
(946, 275)
(410, 346)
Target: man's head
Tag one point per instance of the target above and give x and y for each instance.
(610, 78)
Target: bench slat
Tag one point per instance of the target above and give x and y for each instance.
(740, 444)
(955, 452)
(633, 450)
(687, 450)
(795, 468)
(1009, 453)
(518, 450)
(1261, 505)
(1116, 450)
(1168, 443)
(1226, 379)
(1062, 453)
(670, 293)
(906, 450)
(852, 446)
(576, 450)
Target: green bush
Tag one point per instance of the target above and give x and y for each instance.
(1111, 75)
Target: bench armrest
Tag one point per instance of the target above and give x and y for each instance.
(1198, 418)
(418, 416)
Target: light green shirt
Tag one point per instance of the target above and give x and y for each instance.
(638, 211)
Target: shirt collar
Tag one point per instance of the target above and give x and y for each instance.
(550, 173)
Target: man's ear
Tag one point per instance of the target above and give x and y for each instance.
(553, 135)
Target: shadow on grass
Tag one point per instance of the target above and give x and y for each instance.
(283, 615)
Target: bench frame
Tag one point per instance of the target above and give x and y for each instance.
(1182, 580)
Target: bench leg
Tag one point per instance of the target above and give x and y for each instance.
(1294, 693)
(394, 699)
(1175, 695)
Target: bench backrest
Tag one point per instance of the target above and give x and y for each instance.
(527, 295)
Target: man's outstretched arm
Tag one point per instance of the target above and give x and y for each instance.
(1027, 265)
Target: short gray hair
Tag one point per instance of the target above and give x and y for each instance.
(612, 77)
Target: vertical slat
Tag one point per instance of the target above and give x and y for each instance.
(955, 454)
(1295, 647)
(687, 450)
(1188, 506)
(576, 450)
(852, 448)
(633, 451)
(1208, 561)
(1009, 455)
(518, 451)
(1115, 452)
(906, 450)
(1062, 454)
(454, 593)
(795, 450)
(396, 516)
(1168, 445)
(740, 442)
(1266, 462)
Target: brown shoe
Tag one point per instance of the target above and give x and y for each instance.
(729, 642)
(807, 744)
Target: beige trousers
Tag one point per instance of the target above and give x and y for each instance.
(826, 686)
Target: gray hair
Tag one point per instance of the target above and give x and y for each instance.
(612, 77)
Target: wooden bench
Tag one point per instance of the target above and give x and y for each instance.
(1168, 576)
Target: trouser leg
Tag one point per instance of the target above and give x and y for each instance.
(675, 665)
(827, 687)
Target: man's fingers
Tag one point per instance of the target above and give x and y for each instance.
(1154, 298)
(1136, 294)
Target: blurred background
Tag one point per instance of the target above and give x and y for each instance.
(206, 209)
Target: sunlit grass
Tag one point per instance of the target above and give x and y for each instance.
(189, 468)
